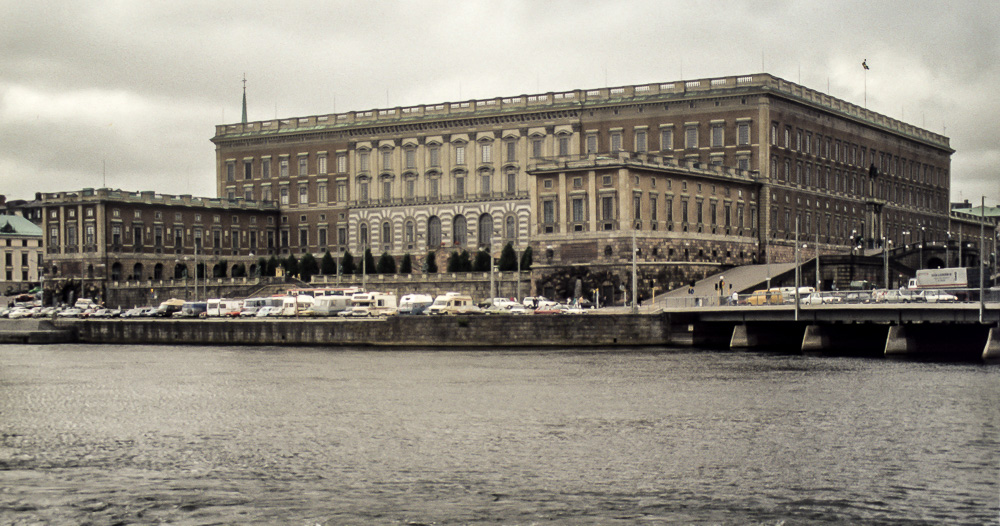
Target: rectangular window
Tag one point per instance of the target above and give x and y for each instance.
(511, 182)
(459, 154)
(303, 165)
(691, 137)
(591, 143)
(652, 208)
(248, 194)
(216, 239)
(548, 212)
(743, 133)
(322, 237)
(563, 146)
(303, 194)
(248, 170)
(699, 208)
(303, 237)
(435, 154)
(363, 161)
(321, 193)
(284, 195)
(640, 141)
(666, 138)
(266, 193)
(387, 159)
(178, 236)
(637, 206)
(433, 188)
(230, 171)
(713, 211)
(387, 189)
(670, 210)
(608, 208)
(459, 187)
(684, 210)
(484, 184)
(341, 163)
(322, 165)
(411, 159)
(717, 135)
(536, 147)
(341, 192)
(363, 192)
(283, 167)
(486, 153)
(341, 236)
(265, 169)
(616, 142)
(577, 210)
(511, 150)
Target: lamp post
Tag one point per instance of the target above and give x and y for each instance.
(886, 243)
(635, 288)
(982, 267)
(922, 241)
(797, 269)
(947, 247)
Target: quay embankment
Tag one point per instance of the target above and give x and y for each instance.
(35, 331)
(392, 331)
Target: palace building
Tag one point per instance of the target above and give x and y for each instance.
(703, 173)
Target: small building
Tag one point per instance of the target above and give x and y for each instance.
(20, 254)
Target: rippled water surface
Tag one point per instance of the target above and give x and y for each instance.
(210, 435)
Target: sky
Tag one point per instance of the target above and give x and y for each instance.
(126, 94)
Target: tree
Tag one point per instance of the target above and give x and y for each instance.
(347, 263)
(272, 266)
(508, 259)
(239, 271)
(465, 261)
(327, 265)
(406, 265)
(291, 266)
(262, 267)
(308, 267)
(431, 263)
(386, 264)
(454, 262)
(219, 270)
(526, 259)
(482, 262)
(369, 263)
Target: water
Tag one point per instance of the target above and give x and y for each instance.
(213, 435)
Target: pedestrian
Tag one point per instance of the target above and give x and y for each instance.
(735, 298)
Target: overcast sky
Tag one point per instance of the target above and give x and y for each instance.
(127, 94)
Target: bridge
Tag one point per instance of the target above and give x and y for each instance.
(959, 331)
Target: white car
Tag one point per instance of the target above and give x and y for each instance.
(18, 312)
(939, 296)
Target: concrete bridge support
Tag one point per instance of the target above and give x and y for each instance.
(768, 336)
(855, 339)
(991, 352)
(948, 341)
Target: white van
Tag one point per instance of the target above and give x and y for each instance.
(415, 303)
(296, 305)
(453, 304)
(788, 293)
(329, 305)
(371, 304)
(223, 307)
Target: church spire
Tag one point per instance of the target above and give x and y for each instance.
(244, 98)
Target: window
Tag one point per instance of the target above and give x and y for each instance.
(652, 208)
(511, 182)
(511, 151)
(411, 159)
(248, 170)
(284, 195)
(435, 154)
(591, 143)
(798, 140)
(408, 233)
(248, 194)
(387, 159)
(484, 183)
(485, 230)
(717, 135)
(386, 234)
(743, 133)
(363, 234)
(563, 146)
(616, 142)
(363, 191)
(303, 194)
(578, 210)
(342, 236)
(699, 208)
(341, 163)
(321, 193)
(743, 163)
(266, 193)
(509, 228)
(460, 230)
(666, 138)
(684, 210)
(116, 235)
(322, 164)
(536, 147)
(640, 141)
(322, 237)
(691, 137)
(433, 232)
(363, 161)
(410, 188)
(774, 134)
(788, 133)
(230, 171)
(548, 212)
(670, 210)
(486, 153)
(637, 206)
(386, 189)
(283, 167)
(608, 208)
(713, 211)
(459, 154)
(265, 169)
(303, 165)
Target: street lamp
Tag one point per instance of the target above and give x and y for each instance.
(922, 241)
(947, 246)
(886, 244)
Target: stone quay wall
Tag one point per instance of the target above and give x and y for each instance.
(395, 331)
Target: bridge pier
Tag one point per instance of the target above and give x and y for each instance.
(867, 339)
(991, 352)
(949, 341)
(768, 336)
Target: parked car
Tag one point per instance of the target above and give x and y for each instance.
(764, 297)
(939, 296)
(858, 296)
(72, 312)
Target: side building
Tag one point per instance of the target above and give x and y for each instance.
(473, 175)
(99, 239)
(20, 255)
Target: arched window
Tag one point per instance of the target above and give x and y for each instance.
(158, 271)
(408, 233)
(433, 232)
(116, 271)
(485, 230)
(137, 272)
(363, 234)
(386, 235)
(180, 271)
(510, 228)
(460, 231)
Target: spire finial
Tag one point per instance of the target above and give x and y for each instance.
(244, 98)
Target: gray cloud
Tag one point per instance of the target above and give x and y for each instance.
(140, 87)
